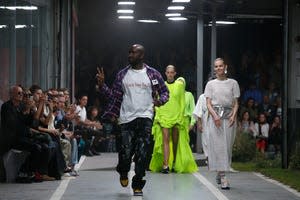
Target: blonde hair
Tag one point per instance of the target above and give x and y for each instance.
(219, 59)
(171, 66)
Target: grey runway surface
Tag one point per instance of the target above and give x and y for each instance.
(99, 180)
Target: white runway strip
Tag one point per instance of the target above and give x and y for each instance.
(295, 192)
(210, 186)
(59, 192)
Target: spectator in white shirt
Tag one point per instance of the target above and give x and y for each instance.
(261, 132)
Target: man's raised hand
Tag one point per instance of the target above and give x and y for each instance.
(100, 76)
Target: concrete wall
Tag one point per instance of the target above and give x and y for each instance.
(41, 55)
(294, 55)
(293, 76)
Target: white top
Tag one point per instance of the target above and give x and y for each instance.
(264, 130)
(201, 111)
(46, 110)
(222, 92)
(81, 112)
(201, 108)
(51, 123)
(137, 97)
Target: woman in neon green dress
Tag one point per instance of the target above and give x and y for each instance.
(171, 147)
(189, 120)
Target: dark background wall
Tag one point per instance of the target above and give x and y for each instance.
(103, 40)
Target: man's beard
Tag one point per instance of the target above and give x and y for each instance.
(133, 62)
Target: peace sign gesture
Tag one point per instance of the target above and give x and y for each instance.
(100, 76)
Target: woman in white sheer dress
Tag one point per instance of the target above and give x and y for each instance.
(222, 96)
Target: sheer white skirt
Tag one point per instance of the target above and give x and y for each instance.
(220, 143)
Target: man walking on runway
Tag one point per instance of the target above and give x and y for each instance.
(135, 91)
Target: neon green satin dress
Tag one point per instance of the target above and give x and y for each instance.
(169, 115)
(189, 120)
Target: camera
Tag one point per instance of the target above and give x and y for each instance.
(50, 97)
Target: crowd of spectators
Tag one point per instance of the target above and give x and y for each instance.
(260, 111)
(54, 132)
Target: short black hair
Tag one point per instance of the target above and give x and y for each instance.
(34, 88)
(80, 95)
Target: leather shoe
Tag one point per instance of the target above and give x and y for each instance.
(96, 153)
(137, 192)
(165, 170)
(124, 181)
(89, 153)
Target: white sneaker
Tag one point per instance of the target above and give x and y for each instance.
(224, 183)
(233, 170)
(74, 173)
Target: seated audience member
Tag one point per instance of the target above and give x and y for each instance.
(63, 121)
(56, 132)
(83, 125)
(277, 109)
(275, 137)
(43, 119)
(266, 108)
(250, 107)
(96, 130)
(261, 132)
(17, 118)
(245, 125)
(70, 117)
